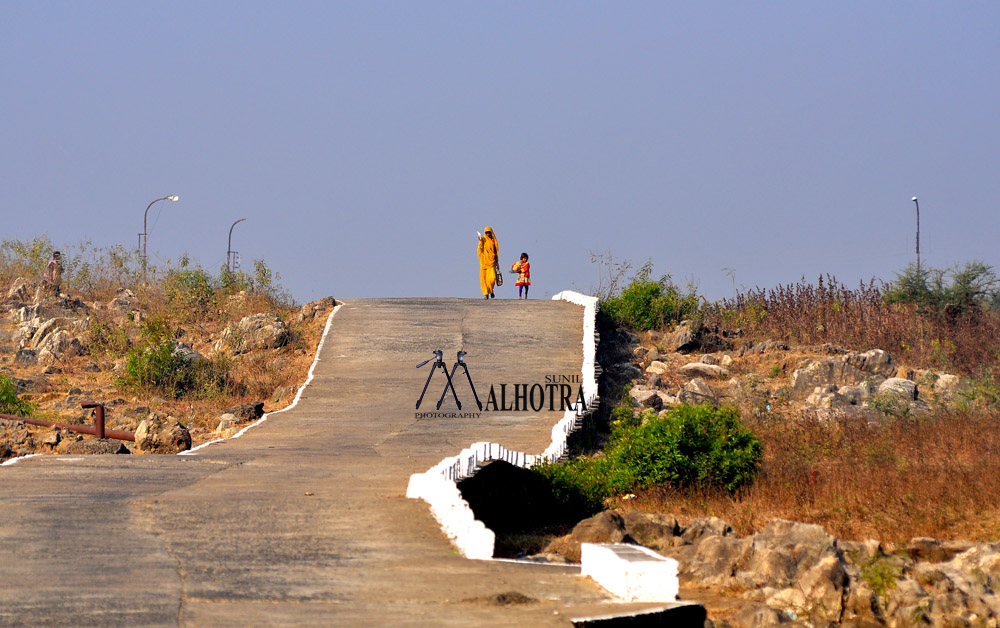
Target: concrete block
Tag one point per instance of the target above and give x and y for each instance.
(631, 572)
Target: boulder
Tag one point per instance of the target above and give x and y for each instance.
(700, 369)
(254, 332)
(950, 386)
(697, 392)
(186, 352)
(606, 527)
(311, 310)
(654, 530)
(657, 368)
(96, 446)
(162, 435)
(685, 338)
(21, 291)
(645, 397)
(875, 362)
(247, 412)
(898, 387)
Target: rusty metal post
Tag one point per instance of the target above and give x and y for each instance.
(98, 417)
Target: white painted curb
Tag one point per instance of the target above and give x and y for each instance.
(438, 485)
(632, 572)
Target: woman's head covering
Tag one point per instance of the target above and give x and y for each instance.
(489, 229)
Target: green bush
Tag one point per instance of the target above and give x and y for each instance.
(10, 403)
(690, 446)
(648, 304)
(154, 366)
(954, 291)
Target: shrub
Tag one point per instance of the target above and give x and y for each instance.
(689, 447)
(189, 291)
(154, 366)
(648, 304)
(10, 403)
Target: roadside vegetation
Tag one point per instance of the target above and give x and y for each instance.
(149, 338)
(892, 478)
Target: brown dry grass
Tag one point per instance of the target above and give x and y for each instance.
(860, 319)
(892, 481)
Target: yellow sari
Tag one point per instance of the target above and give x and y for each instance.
(489, 254)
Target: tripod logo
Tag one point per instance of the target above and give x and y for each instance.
(438, 361)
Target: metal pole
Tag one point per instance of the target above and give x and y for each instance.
(172, 197)
(229, 247)
(917, 204)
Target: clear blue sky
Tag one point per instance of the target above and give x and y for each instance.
(366, 142)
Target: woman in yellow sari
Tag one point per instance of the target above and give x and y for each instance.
(489, 257)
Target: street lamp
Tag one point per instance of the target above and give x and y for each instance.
(918, 234)
(229, 248)
(142, 236)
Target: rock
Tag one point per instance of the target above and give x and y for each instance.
(186, 352)
(605, 527)
(125, 300)
(727, 360)
(651, 529)
(254, 332)
(625, 371)
(876, 362)
(699, 369)
(26, 357)
(653, 354)
(283, 392)
(90, 367)
(950, 386)
(645, 397)
(783, 550)
(764, 347)
(311, 310)
(228, 425)
(52, 438)
(823, 586)
(162, 435)
(697, 392)
(703, 527)
(97, 446)
(708, 358)
(898, 387)
(685, 337)
(714, 561)
(653, 380)
(926, 549)
(247, 412)
(657, 368)
(21, 291)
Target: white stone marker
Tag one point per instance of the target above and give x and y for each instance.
(631, 572)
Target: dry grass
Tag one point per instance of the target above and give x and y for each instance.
(860, 319)
(892, 481)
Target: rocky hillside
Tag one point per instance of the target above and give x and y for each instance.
(781, 572)
(60, 351)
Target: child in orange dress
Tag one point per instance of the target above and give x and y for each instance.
(523, 271)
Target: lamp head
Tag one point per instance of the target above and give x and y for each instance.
(173, 197)
(914, 199)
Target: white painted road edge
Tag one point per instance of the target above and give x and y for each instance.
(438, 485)
(298, 394)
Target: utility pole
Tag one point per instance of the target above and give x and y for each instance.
(915, 202)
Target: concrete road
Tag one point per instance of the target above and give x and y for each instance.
(303, 520)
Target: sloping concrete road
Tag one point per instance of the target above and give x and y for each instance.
(303, 520)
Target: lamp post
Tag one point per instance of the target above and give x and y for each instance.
(142, 236)
(229, 248)
(917, 204)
